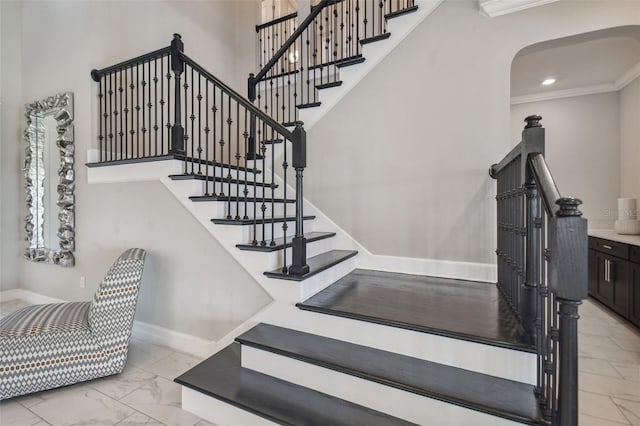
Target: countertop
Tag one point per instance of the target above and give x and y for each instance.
(611, 235)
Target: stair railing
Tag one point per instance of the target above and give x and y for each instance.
(164, 104)
(330, 37)
(271, 36)
(542, 268)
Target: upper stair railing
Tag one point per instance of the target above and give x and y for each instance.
(164, 103)
(542, 268)
(271, 36)
(330, 37)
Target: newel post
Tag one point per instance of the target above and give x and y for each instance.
(568, 244)
(177, 66)
(299, 245)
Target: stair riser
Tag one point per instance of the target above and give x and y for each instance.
(248, 231)
(223, 209)
(482, 358)
(221, 188)
(203, 169)
(219, 412)
(396, 402)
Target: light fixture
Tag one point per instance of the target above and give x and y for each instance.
(548, 81)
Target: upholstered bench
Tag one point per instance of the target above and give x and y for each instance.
(48, 346)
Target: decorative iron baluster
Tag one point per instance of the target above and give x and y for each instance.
(199, 97)
(207, 131)
(102, 101)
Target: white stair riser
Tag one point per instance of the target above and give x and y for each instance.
(202, 169)
(486, 359)
(399, 403)
(237, 207)
(219, 412)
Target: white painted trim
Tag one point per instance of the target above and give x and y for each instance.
(560, 94)
(396, 402)
(217, 411)
(141, 330)
(493, 8)
(619, 84)
(628, 77)
(483, 272)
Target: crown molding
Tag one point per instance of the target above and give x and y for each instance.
(493, 8)
(619, 84)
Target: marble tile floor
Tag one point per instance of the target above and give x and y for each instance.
(144, 394)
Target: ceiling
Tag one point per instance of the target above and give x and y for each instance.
(588, 63)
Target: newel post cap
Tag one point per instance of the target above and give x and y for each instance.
(533, 121)
(569, 206)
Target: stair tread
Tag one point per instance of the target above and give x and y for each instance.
(496, 396)
(241, 198)
(329, 85)
(279, 242)
(225, 221)
(171, 157)
(351, 61)
(373, 39)
(189, 176)
(466, 310)
(309, 105)
(401, 12)
(316, 264)
(222, 377)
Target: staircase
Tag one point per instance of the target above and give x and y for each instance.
(344, 343)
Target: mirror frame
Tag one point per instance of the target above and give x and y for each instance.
(61, 105)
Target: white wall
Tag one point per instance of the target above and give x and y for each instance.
(191, 284)
(630, 140)
(11, 143)
(401, 162)
(582, 149)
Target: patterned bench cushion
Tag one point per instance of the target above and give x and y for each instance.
(53, 318)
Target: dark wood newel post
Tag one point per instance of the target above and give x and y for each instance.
(299, 245)
(177, 66)
(568, 278)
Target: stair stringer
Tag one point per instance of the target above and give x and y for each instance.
(399, 28)
(255, 263)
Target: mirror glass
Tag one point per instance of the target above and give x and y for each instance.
(49, 174)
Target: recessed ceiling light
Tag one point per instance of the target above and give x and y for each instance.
(548, 81)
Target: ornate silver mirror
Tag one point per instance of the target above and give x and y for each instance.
(49, 174)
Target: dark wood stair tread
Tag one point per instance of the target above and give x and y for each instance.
(309, 105)
(488, 394)
(373, 39)
(350, 61)
(316, 264)
(259, 221)
(466, 310)
(222, 377)
(401, 12)
(172, 157)
(189, 176)
(240, 198)
(279, 242)
(329, 85)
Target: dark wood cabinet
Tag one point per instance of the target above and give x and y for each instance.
(614, 276)
(634, 293)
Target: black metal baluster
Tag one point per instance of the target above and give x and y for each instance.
(222, 143)
(102, 100)
(357, 40)
(111, 116)
(246, 166)
(187, 136)
(285, 166)
(192, 117)
(149, 106)
(381, 17)
(263, 207)
(200, 124)
(168, 125)
(120, 132)
(126, 115)
(162, 102)
(207, 131)
(341, 56)
(365, 22)
(255, 125)
(144, 127)
(238, 159)
(155, 100)
(230, 140)
(137, 133)
(214, 108)
(273, 193)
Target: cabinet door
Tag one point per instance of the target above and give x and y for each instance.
(613, 282)
(634, 296)
(593, 274)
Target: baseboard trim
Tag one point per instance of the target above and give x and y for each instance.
(141, 330)
(483, 272)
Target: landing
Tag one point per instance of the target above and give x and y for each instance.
(467, 310)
